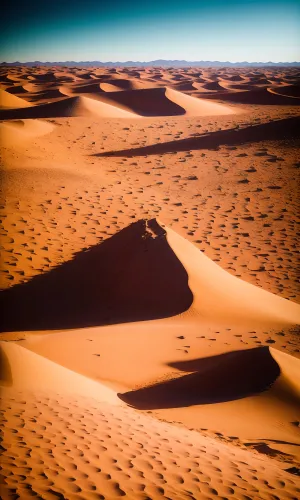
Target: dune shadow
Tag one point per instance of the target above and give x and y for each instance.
(285, 129)
(253, 96)
(132, 276)
(215, 379)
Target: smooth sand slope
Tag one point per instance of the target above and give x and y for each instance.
(9, 101)
(23, 370)
(22, 131)
(72, 106)
(220, 296)
(80, 447)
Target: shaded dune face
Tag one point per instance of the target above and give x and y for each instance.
(80, 89)
(287, 90)
(133, 276)
(257, 96)
(215, 379)
(145, 102)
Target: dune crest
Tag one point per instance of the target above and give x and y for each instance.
(22, 369)
(219, 295)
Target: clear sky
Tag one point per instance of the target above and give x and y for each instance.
(122, 30)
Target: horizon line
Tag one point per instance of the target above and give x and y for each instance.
(148, 62)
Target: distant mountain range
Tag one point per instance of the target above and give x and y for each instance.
(156, 63)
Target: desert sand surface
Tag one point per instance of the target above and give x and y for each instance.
(150, 283)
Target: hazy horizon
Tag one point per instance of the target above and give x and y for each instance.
(215, 30)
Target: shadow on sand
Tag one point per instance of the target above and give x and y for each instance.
(278, 130)
(132, 276)
(216, 379)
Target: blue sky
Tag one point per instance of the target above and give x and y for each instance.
(118, 30)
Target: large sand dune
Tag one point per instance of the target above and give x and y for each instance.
(104, 285)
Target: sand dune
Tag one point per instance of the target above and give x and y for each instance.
(118, 85)
(199, 107)
(72, 106)
(17, 89)
(127, 285)
(163, 102)
(21, 131)
(125, 104)
(24, 370)
(94, 288)
(226, 377)
(10, 101)
(212, 86)
(286, 90)
(78, 89)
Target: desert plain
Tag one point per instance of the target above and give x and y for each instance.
(150, 283)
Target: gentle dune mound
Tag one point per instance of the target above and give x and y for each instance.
(88, 88)
(17, 132)
(72, 106)
(213, 86)
(23, 369)
(215, 379)
(10, 101)
(132, 276)
(198, 107)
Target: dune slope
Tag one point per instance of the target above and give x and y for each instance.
(157, 274)
(10, 101)
(76, 446)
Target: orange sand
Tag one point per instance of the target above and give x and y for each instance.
(149, 281)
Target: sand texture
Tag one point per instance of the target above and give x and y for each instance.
(150, 301)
